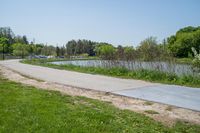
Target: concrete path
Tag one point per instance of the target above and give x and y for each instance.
(185, 97)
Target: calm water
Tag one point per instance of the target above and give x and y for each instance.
(179, 69)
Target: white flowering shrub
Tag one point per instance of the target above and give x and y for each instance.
(196, 60)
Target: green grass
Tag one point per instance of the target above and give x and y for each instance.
(184, 60)
(25, 109)
(148, 75)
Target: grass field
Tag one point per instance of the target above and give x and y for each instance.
(148, 75)
(28, 109)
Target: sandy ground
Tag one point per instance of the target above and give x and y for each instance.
(166, 114)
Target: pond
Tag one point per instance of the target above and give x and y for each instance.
(179, 69)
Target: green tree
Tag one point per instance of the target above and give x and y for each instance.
(78, 47)
(48, 50)
(180, 45)
(149, 49)
(107, 52)
(4, 46)
(3, 42)
(196, 60)
(120, 52)
(37, 49)
(130, 53)
(21, 39)
(6, 32)
(20, 49)
(57, 51)
(62, 51)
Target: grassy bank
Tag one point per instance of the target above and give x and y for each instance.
(148, 75)
(28, 109)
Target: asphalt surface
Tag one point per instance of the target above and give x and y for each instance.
(185, 97)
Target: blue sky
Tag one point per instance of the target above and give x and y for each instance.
(120, 22)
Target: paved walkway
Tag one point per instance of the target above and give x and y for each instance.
(185, 97)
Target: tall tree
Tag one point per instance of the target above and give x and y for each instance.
(148, 49)
(6, 32)
(107, 52)
(180, 45)
(3, 46)
(57, 51)
(20, 50)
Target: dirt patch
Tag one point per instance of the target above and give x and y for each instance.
(165, 113)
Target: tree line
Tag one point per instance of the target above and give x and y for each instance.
(178, 45)
(10, 44)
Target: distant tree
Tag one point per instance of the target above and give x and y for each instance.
(107, 52)
(57, 51)
(120, 52)
(4, 46)
(25, 40)
(70, 46)
(148, 49)
(31, 49)
(48, 50)
(188, 29)
(196, 60)
(3, 42)
(130, 53)
(6, 32)
(180, 45)
(62, 51)
(35, 49)
(21, 39)
(20, 49)
(78, 47)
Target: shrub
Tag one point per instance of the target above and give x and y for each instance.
(196, 61)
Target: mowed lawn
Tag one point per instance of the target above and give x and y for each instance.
(25, 109)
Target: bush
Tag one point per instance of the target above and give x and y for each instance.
(196, 61)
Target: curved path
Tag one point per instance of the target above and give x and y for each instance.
(179, 96)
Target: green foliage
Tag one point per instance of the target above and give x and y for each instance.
(130, 53)
(196, 60)
(84, 55)
(188, 29)
(20, 49)
(3, 40)
(45, 50)
(4, 46)
(149, 49)
(107, 52)
(180, 45)
(6, 32)
(57, 51)
(28, 109)
(184, 60)
(1, 48)
(10, 42)
(79, 47)
(20, 39)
